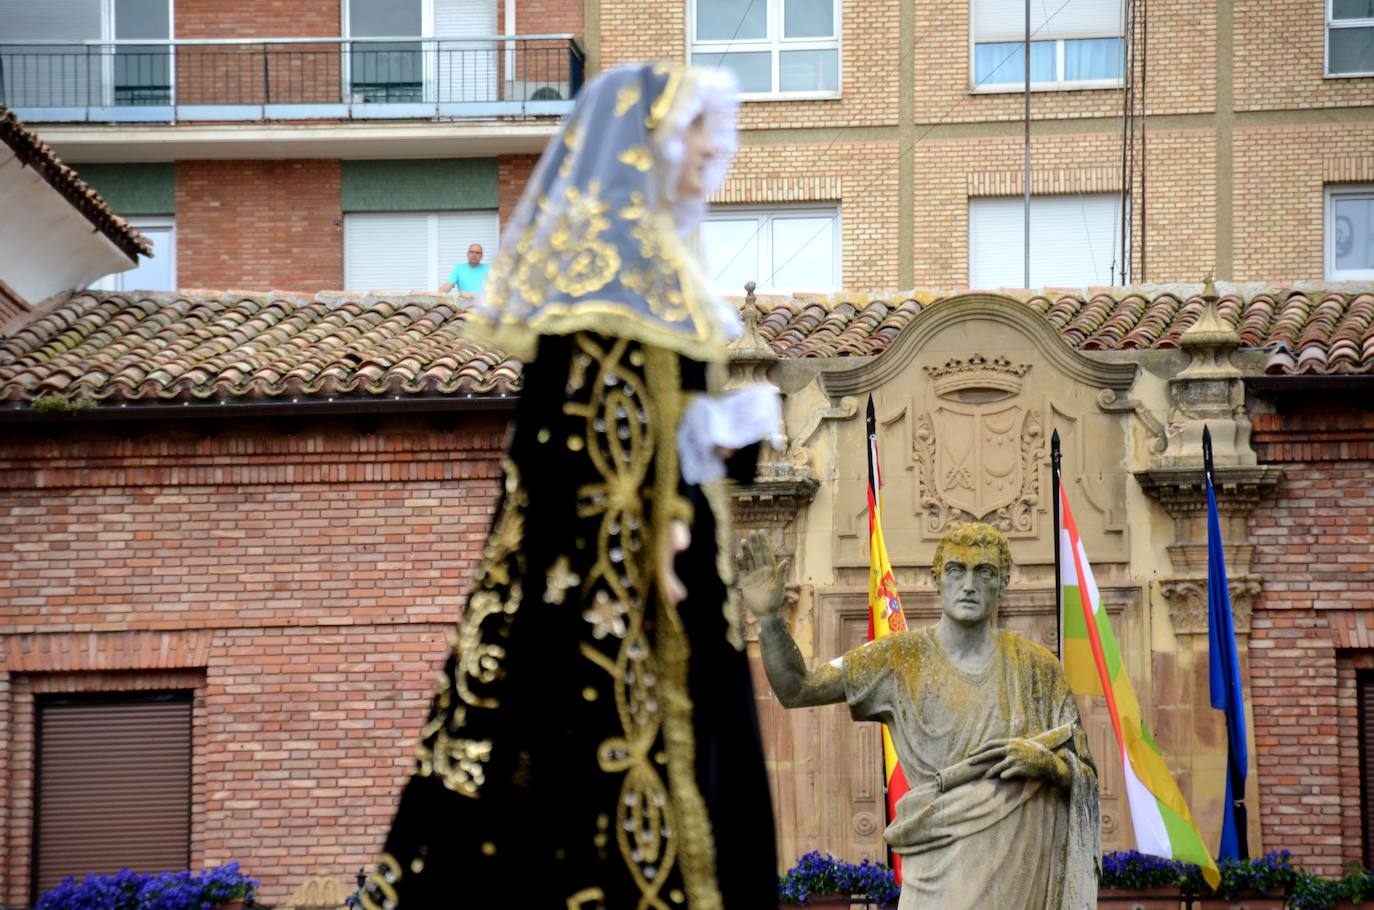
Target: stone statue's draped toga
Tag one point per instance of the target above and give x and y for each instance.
(967, 841)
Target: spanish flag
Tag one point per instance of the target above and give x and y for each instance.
(1092, 662)
(884, 611)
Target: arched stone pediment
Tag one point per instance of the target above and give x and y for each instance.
(934, 326)
(966, 399)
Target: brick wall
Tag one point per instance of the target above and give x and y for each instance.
(1281, 175)
(862, 177)
(1314, 548)
(259, 225)
(513, 173)
(303, 586)
(1280, 48)
(298, 74)
(257, 19)
(1181, 74)
(544, 17)
(633, 30)
(1181, 196)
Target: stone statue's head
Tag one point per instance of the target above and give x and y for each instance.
(972, 567)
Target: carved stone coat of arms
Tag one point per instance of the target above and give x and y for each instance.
(979, 447)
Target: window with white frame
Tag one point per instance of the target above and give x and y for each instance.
(774, 47)
(779, 249)
(1350, 37)
(155, 273)
(1350, 233)
(408, 251)
(1074, 44)
(1073, 242)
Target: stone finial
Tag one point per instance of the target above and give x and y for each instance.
(1207, 393)
(1210, 340)
(750, 355)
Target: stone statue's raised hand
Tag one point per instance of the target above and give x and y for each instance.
(1017, 757)
(761, 576)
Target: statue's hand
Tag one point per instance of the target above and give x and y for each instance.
(678, 538)
(1018, 757)
(761, 576)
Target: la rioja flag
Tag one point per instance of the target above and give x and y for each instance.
(1092, 662)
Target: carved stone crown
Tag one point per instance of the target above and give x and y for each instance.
(978, 372)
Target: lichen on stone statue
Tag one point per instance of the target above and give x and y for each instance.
(1002, 809)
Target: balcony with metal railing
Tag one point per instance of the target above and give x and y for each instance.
(291, 79)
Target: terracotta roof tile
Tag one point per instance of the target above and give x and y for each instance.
(212, 345)
(33, 152)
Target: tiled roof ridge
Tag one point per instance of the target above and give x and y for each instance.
(37, 154)
(273, 345)
(1315, 327)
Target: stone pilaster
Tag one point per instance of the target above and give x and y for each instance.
(1208, 393)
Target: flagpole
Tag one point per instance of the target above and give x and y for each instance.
(872, 437)
(1233, 770)
(874, 480)
(1055, 456)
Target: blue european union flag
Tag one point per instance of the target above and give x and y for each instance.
(1225, 679)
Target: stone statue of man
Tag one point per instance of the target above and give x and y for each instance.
(1003, 806)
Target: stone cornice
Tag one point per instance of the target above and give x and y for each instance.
(1182, 490)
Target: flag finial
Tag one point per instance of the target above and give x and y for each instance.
(1207, 452)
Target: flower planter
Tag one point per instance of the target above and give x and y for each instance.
(829, 902)
(1240, 902)
(236, 904)
(1139, 899)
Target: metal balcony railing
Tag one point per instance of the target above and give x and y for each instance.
(291, 78)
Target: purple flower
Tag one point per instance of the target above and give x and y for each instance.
(819, 875)
(128, 890)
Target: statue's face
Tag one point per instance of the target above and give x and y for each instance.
(970, 583)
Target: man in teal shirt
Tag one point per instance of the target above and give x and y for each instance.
(469, 277)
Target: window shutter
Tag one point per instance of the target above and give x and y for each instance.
(460, 230)
(1005, 20)
(52, 75)
(387, 252)
(1073, 241)
(114, 786)
(466, 68)
(52, 20)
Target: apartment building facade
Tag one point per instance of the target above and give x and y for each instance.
(884, 142)
(886, 147)
(296, 145)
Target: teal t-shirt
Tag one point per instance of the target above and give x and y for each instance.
(468, 278)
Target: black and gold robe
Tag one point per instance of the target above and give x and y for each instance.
(590, 745)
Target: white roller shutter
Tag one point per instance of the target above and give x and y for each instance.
(1073, 241)
(53, 75)
(1005, 20)
(387, 252)
(466, 69)
(412, 251)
